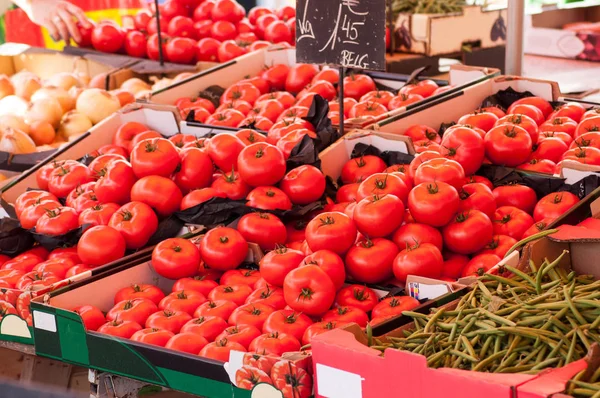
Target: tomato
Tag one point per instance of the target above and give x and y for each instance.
(67, 177)
(433, 203)
(275, 265)
(22, 262)
(136, 310)
(528, 110)
(412, 233)
(496, 110)
(519, 196)
(572, 110)
(107, 37)
(219, 308)
(220, 349)
(332, 231)
(198, 196)
(286, 126)
(241, 91)
(420, 260)
(468, 232)
(424, 88)
(480, 264)
(440, 170)
(153, 336)
(66, 253)
(357, 169)
(403, 100)
(176, 258)
(227, 10)
(554, 205)
(247, 377)
(378, 216)
(465, 146)
(477, 196)
(236, 293)
(160, 193)
(421, 158)
(453, 265)
(268, 198)
(309, 290)
(190, 343)
(30, 198)
(98, 214)
(58, 267)
(499, 245)
(135, 44)
(511, 221)
(370, 261)
(249, 136)
(223, 248)
(208, 327)
(288, 322)
(269, 295)
(77, 270)
(560, 124)
(291, 380)
(383, 184)
(91, 316)
(276, 75)
(558, 134)
(116, 183)
(264, 229)
(156, 156)
(126, 132)
(367, 109)
(243, 333)
(229, 49)
(587, 155)
(279, 31)
(207, 49)
(101, 245)
(483, 120)
(136, 222)
(537, 227)
(591, 124)
(42, 176)
(419, 132)
(275, 344)
(11, 276)
(135, 291)
(537, 102)
(539, 165)
(508, 146)
(303, 185)
(299, 76)
(318, 328)
(231, 185)
(120, 328)
(551, 148)
(261, 164)
(224, 149)
(186, 301)
(347, 193)
(269, 108)
(254, 314)
(36, 280)
(393, 306)
(57, 221)
(592, 112)
(169, 320)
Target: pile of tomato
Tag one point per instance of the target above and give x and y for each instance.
(34, 269)
(194, 31)
(530, 135)
(276, 99)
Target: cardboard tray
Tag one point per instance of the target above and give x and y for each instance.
(436, 34)
(252, 64)
(60, 334)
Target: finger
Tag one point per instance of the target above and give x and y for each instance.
(70, 23)
(53, 31)
(63, 30)
(79, 14)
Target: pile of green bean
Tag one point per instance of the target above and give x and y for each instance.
(579, 388)
(522, 324)
(427, 6)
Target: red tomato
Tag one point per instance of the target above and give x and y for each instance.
(269, 295)
(227, 10)
(254, 314)
(537, 227)
(136, 310)
(231, 185)
(537, 102)
(572, 110)
(528, 110)
(480, 264)
(207, 48)
(264, 229)
(181, 27)
(198, 196)
(309, 290)
(402, 100)
(332, 231)
(508, 146)
(563, 124)
(453, 265)
(261, 164)
(235, 293)
(330, 262)
(393, 306)
(119, 328)
(381, 184)
(91, 316)
(367, 109)
(347, 314)
(357, 296)
(57, 221)
(440, 170)
(591, 124)
(175, 258)
(412, 233)
(483, 120)
(219, 350)
(433, 203)
(107, 37)
(136, 222)
(67, 177)
(208, 327)
(115, 185)
(169, 320)
(156, 156)
(421, 260)
(378, 216)
(499, 245)
(187, 342)
(242, 334)
(424, 88)
(274, 344)
(303, 185)
(551, 148)
(197, 283)
(292, 380)
(132, 292)
(519, 196)
(495, 110)
(275, 265)
(152, 336)
(240, 276)
(477, 196)
(554, 205)
(224, 149)
(370, 261)
(30, 198)
(468, 232)
(511, 221)
(160, 193)
(223, 248)
(299, 76)
(465, 146)
(135, 44)
(587, 155)
(268, 198)
(195, 170)
(229, 49)
(276, 76)
(539, 165)
(420, 132)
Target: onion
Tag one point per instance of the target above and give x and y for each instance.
(143, 94)
(64, 80)
(15, 141)
(134, 85)
(183, 75)
(97, 104)
(83, 78)
(25, 83)
(162, 83)
(6, 87)
(61, 95)
(14, 121)
(44, 109)
(98, 81)
(74, 123)
(13, 105)
(74, 92)
(42, 133)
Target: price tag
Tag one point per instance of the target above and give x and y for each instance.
(346, 33)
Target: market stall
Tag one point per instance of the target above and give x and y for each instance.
(202, 199)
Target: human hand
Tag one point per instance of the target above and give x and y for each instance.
(59, 17)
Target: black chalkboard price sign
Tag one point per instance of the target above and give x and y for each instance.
(346, 33)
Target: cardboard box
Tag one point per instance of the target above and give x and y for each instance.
(253, 63)
(60, 334)
(544, 33)
(435, 34)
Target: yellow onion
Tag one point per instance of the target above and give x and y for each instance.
(44, 109)
(134, 85)
(98, 81)
(14, 121)
(25, 83)
(183, 75)
(15, 141)
(97, 104)
(64, 80)
(162, 83)
(84, 78)
(74, 123)
(74, 92)
(6, 87)
(13, 105)
(61, 95)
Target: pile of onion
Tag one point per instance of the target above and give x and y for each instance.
(15, 141)
(97, 104)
